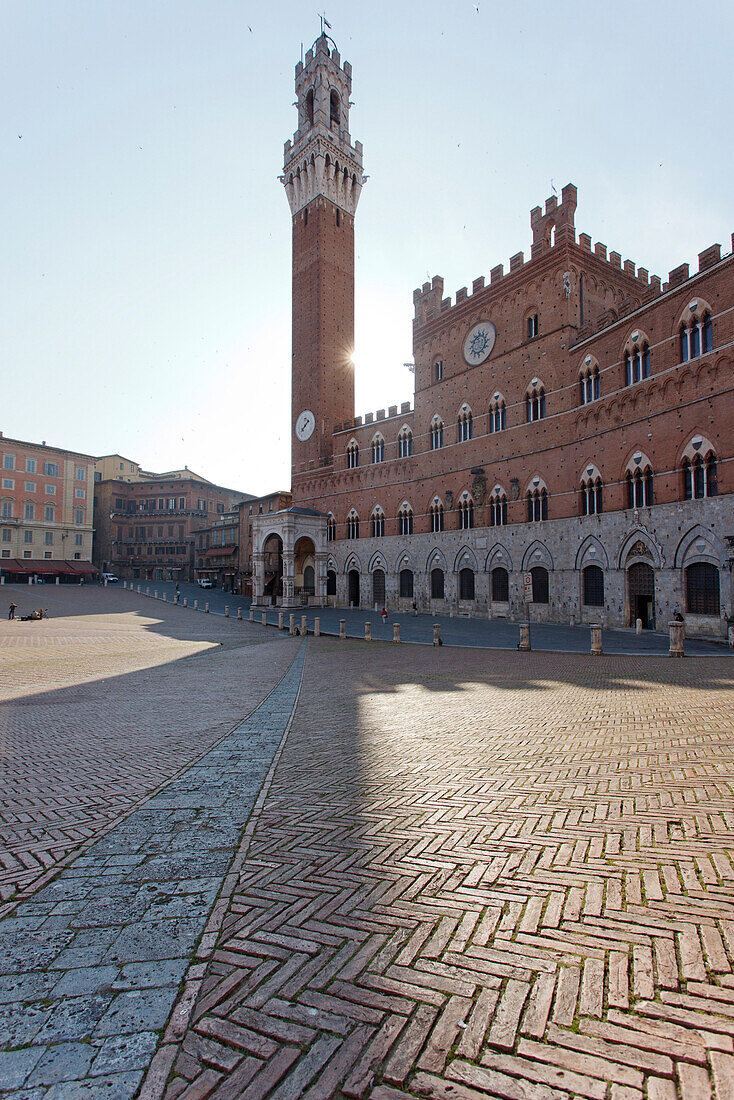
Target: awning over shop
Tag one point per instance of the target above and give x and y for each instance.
(219, 551)
(29, 567)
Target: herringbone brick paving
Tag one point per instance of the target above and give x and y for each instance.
(98, 707)
(478, 874)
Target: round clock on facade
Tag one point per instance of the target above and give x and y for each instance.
(479, 343)
(305, 425)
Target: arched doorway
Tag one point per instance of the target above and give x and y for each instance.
(378, 588)
(273, 554)
(353, 588)
(331, 582)
(304, 556)
(641, 587)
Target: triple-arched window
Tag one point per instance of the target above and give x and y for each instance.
(405, 442)
(639, 480)
(497, 414)
(377, 522)
(637, 359)
(353, 525)
(535, 401)
(436, 512)
(591, 502)
(405, 519)
(537, 501)
(353, 455)
(700, 472)
(589, 381)
(466, 511)
(466, 424)
(696, 334)
(378, 448)
(436, 433)
(498, 507)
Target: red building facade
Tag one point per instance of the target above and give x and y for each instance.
(572, 421)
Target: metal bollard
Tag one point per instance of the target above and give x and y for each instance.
(239, 613)
(524, 636)
(252, 616)
(638, 626)
(437, 634)
(676, 639)
(280, 620)
(342, 628)
(396, 632)
(226, 611)
(368, 632)
(265, 618)
(185, 601)
(291, 624)
(317, 628)
(206, 607)
(304, 628)
(596, 648)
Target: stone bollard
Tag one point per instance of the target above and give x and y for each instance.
(280, 620)
(437, 634)
(317, 628)
(252, 616)
(304, 628)
(138, 589)
(185, 601)
(730, 636)
(524, 643)
(676, 639)
(155, 593)
(265, 618)
(147, 590)
(368, 632)
(638, 626)
(396, 632)
(206, 607)
(124, 583)
(239, 613)
(291, 624)
(163, 597)
(57, 580)
(342, 628)
(196, 605)
(226, 611)
(596, 648)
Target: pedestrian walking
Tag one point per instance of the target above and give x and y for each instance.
(383, 615)
(11, 610)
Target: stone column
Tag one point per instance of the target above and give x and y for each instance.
(258, 577)
(676, 639)
(524, 636)
(596, 648)
(320, 571)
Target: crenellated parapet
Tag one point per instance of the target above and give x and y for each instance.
(321, 160)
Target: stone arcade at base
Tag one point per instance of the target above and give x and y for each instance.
(573, 420)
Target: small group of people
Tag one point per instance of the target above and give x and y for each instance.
(34, 616)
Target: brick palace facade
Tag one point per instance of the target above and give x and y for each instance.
(572, 420)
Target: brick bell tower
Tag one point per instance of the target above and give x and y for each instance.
(322, 176)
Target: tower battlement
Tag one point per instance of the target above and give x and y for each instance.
(321, 160)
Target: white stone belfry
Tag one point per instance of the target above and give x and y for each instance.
(321, 159)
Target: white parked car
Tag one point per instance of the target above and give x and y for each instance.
(109, 578)
(206, 582)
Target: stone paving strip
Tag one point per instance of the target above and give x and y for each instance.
(90, 968)
(100, 704)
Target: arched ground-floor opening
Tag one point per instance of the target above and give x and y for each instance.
(378, 588)
(641, 589)
(273, 553)
(353, 580)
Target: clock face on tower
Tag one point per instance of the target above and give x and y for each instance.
(305, 425)
(479, 343)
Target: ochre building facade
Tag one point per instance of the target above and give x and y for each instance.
(572, 425)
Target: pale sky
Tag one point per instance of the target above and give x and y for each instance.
(146, 239)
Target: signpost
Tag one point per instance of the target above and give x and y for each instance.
(527, 581)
